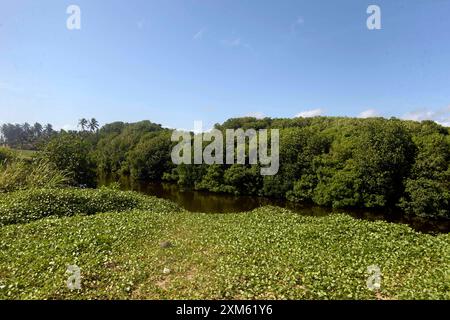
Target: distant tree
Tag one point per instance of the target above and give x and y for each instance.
(83, 123)
(37, 129)
(93, 125)
(48, 130)
(24, 136)
(26, 127)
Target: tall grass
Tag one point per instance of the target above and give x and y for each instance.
(39, 173)
(5, 154)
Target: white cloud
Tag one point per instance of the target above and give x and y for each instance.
(309, 113)
(369, 113)
(199, 34)
(441, 116)
(419, 115)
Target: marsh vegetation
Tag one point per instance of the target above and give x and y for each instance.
(51, 216)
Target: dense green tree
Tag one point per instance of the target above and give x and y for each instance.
(427, 191)
(116, 141)
(332, 161)
(151, 156)
(367, 167)
(71, 153)
(240, 179)
(213, 179)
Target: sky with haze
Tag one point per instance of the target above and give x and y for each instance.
(177, 61)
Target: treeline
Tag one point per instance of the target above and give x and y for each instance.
(330, 161)
(29, 137)
(24, 136)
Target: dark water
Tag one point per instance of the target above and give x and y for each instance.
(208, 202)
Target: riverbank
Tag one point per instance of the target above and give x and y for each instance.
(213, 202)
(267, 253)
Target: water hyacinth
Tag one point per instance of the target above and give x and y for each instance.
(29, 205)
(268, 253)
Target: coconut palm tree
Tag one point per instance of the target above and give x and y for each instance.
(37, 129)
(83, 123)
(93, 125)
(48, 130)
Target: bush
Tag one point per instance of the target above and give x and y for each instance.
(240, 179)
(29, 205)
(426, 198)
(71, 153)
(151, 157)
(5, 154)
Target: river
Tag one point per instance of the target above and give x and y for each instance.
(209, 202)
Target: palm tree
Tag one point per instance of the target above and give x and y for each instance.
(48, 130)
(26, 127)
(83, 124)
(93, 125)
(37, 129)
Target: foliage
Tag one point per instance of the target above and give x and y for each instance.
(426, 198)
(5, 155)
(29, 205)
(92, 125)
(37, 173)
(71, 153)
(118, 140)
(427, 191)
(213, 179)
(331, 161)
(269, 253)
(151, 156)
(239, 179)
(25, 136)
(366, 167)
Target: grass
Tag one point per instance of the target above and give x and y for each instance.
(21, 175)
(26, 155)
(19, 154)
(269, 253)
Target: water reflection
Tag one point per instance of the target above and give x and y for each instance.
(208, 202)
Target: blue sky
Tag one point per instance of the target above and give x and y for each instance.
(176, 61)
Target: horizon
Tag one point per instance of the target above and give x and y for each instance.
(181, 61)
(196, 129)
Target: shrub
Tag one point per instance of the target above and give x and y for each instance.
(71, 153)
(426, 198)
(5, 154)
(151, 157)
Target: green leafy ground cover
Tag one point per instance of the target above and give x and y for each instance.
(269, 253)
(29, 205)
